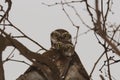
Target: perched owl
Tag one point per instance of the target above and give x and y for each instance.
(62, 53)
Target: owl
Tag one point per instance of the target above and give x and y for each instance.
(62, 53)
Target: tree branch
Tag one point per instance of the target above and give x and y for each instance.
(8, 9)
(34, 57)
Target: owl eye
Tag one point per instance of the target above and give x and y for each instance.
(66, 36)
(69, 46)
(55, 34)
(58, 45)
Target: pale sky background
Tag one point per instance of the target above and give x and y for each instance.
(38, 21)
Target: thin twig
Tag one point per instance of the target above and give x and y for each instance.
(90, 13)
(11, 53)
(102, 78)
(109, 73)
(18, 37)
(76, 12)
(96, 64)
(68, 15)
(10, 23)
(108, 8)
(8, 9)
(18, 61)
(71, 22)
(84, 32)
(57, 3)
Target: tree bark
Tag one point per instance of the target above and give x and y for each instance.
(32, 56)
(2, 47)
(1, 68)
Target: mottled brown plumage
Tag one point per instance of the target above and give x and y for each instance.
(63, 56)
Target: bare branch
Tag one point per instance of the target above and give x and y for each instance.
(8, 9)
(68, 15)
(2, 77)
(10, 24)
(102, 78)
(109, 73)
(108, 8)
(96, 64)
(2, 47)
(17, 61)
(84, 32)
(79, 1)
(90, 13)
(33, 57)
(9, 56)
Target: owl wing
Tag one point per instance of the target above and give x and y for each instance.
(81, 69)
(32, 74)
(47, 67)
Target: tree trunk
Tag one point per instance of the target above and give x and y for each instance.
(1, 68)
(2, 47)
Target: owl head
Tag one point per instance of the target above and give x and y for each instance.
(61, 40)
(59, 37)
